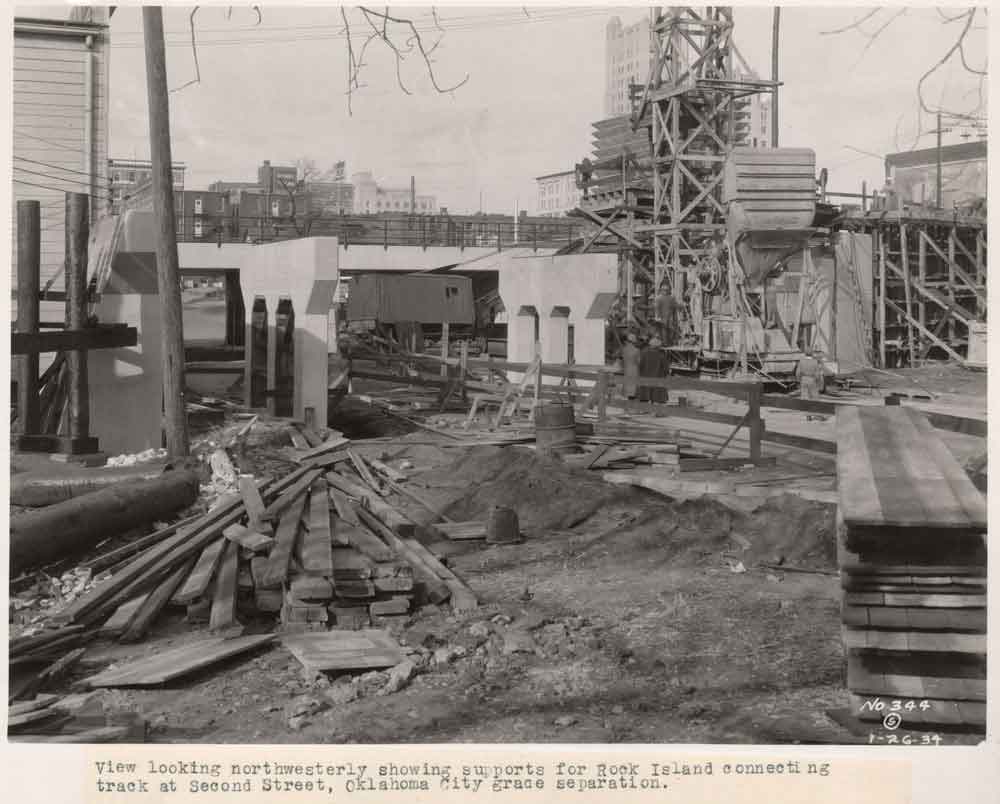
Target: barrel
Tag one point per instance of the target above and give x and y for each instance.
(555, 428)
(502, 526)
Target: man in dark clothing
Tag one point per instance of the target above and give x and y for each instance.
(668, 311)
(652, 364)
(630, 367)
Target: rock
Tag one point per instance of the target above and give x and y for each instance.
(501, 619)
(270, 708)
(304, 706)
(532, 621)
(480, 629)
(399, 677)
(341, 694)
(565, 720)
(298, 722)
(518, 641)
(618, 709)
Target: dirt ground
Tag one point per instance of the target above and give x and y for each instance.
(624, 616)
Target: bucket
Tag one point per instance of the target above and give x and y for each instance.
(555, 428)
(502, 526)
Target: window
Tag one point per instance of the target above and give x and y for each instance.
(118, 175)
(197, 206)
(222, 204)
(131, 177)
(275, 208)
(450, 292)
(197, 228)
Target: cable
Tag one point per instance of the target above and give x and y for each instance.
(68, 179)
(59, 189)
(57, 167)
(57, 178)
(342, 36)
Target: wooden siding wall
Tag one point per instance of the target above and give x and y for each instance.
(49, 118)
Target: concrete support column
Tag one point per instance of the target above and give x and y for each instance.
(555, 336)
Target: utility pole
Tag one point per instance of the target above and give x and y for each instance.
(167, 268)
(775, 25)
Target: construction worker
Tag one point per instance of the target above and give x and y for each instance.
(630, 366)
(652, 364)
(809, 373)
(667, 310)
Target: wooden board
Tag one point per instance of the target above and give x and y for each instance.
(325, 448)
(298, 440)
(118, 621)
(250, 539)
(893, 472)
(175, 663)
(201, 576)
(351, 565)
(315, 550)
(291, 494)
(856, 638)
(150, 608)
(905, 599)
(364, 541)
(461, 531)
(906, 686)
(368, 649)
(285, 537)
(916, 619)
(223, 613)
(253, 503)
(344, 508)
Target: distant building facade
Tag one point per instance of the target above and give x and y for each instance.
(912, 175)
(627, 61)
(330, 197)
(201, 214)
(126, 177)
(372, 198)
(557, 194)
(275, 178)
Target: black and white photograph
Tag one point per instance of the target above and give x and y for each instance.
(498, 374)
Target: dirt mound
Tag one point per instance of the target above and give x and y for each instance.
(548, 495)
(545, 493)
(798, 531)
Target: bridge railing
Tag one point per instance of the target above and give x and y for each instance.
(417, 230)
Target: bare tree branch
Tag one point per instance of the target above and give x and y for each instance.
(854, 24)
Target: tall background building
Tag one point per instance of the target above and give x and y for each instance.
(626, 62)
(130, 177)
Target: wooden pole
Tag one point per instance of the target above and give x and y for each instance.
(167, 268)
(905, 264)
(444, 348)
(28, 287)
(881, 297)
(775, 26)
(77, 237)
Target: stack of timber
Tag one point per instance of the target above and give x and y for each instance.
(912, 554)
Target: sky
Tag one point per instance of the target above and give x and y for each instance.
(276, 90)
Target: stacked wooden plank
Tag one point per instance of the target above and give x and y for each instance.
(912, 554)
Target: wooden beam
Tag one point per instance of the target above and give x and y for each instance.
(100, 337)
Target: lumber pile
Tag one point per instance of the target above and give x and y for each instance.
(314, 549)
(912, 555)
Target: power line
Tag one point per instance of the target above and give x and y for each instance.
(341, 35)
(58, 189)
(446, 23)
(57, 167)
(57, 178)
